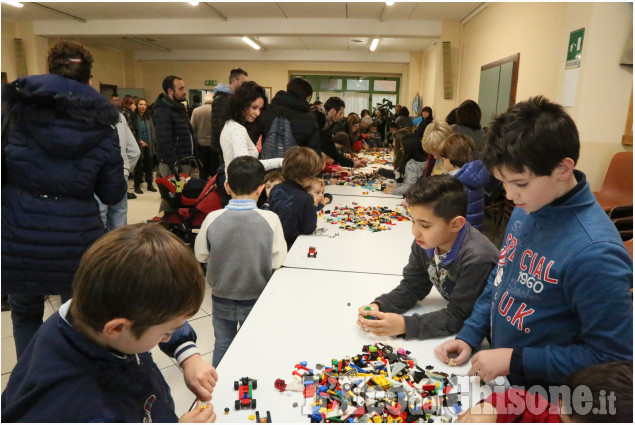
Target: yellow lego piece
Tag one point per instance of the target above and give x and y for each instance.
(389, 420)
(381, 381)
(252, 417)
(377, 419)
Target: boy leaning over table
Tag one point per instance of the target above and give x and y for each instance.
(90, 362)
(447, 253)
(558, 300)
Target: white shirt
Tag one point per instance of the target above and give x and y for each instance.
(235, 142)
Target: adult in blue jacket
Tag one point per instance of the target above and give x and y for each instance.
(61, 149)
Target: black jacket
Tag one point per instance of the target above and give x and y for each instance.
(295, 209)
(326, 140)
(173, 130)
(303, 125)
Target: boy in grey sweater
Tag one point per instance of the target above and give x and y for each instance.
(447, 252)
(241, 245)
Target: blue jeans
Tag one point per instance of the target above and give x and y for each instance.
(227, 315)
(116, 215)
(27, 311)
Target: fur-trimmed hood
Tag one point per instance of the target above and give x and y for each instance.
(64, 116)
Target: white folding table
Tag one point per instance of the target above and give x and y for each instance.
(359, 250)
(310, 315)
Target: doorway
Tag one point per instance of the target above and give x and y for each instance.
(497, 88)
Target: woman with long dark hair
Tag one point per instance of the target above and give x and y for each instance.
(426, 118)
(245, 107)
(468, 122)
(147, 144)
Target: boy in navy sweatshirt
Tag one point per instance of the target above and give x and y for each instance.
(242, 246)
(90, 362)
(289, 200)
(559, 299)
(447, 253)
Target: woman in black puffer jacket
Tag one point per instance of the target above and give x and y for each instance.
(61, 149)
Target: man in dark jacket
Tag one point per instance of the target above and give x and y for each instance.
(293, 104)
(220, 105)
(172, 127)
(61, 150)
(334, 109)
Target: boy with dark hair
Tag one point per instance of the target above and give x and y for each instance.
(289, 200)
(559, 253)
(447, 253)
(134, 288)
(596, 394)
(241, 245)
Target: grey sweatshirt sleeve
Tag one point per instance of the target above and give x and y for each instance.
(414, 286)
(412, 173)
(447, 321)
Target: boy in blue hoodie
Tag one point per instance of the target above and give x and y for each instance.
(558, 300)
(90, 361)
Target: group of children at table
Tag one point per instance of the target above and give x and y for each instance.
(536, 300)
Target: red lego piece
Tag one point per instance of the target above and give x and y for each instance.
(280, 385)
(309, 391)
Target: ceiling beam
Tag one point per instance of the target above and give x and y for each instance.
(237, 27)
(273, 56)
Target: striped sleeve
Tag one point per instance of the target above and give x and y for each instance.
(279, 245)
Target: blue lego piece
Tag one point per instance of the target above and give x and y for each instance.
(323, 389)
(304, 363)
(457, 408)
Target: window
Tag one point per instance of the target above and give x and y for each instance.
(360, 92)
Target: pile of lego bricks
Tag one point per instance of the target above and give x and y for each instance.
(382, 384)
(379, 156)
(357, 217)
(368, 181)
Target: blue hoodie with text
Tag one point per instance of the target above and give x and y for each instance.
(559, 296)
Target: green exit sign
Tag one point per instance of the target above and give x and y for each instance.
(210, 82)
(574, 49)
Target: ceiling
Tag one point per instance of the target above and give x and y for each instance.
(219, 26)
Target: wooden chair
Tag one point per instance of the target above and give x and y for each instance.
(617, 189)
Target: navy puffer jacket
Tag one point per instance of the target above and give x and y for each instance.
(173, 130)
(62, 149)
(474, 176)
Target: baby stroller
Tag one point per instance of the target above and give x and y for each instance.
(188, 203)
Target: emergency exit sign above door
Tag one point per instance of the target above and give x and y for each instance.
(210, 82)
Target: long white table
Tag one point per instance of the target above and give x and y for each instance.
(309, 315)
(361, 251)
(358, 191)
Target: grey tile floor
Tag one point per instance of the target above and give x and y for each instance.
(140, 210)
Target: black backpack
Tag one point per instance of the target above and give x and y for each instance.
(279, 139)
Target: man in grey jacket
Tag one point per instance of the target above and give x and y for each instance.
(116, 215)
(201, 123)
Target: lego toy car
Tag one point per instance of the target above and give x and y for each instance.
(244, 388)
(312, 252)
